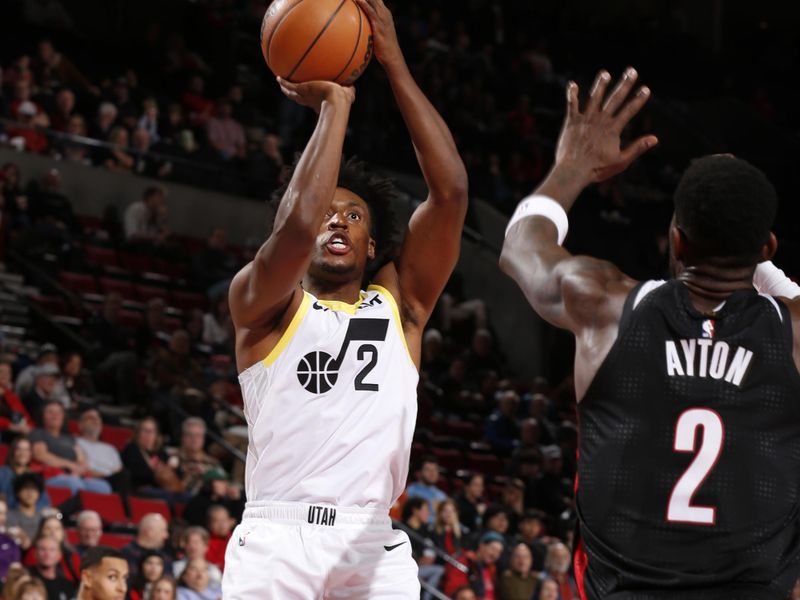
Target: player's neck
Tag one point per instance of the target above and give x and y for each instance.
(348, 292)
(709, 285)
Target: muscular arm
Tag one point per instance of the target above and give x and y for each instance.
(264, 288)
(432, 244)
(577, 292)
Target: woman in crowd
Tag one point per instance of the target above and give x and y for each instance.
(194, 583)
(548, 590)
(151, 570)
(18, 462)
(52, 527)
(151, 473)
(29, 589)
(164, 589)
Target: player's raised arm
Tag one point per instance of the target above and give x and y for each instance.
(575, 292)
(431, 246)
(263, 289)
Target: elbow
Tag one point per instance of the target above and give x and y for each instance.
(506, 261)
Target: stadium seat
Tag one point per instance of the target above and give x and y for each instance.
(465, 430)
(3, 453)
(115, 540)
(487, 464)
(136, 262)
(58, 495)
(172, 269)
(179, 508)
(72, 427)
(120, 286)
(146, 292)
(101, 257)
(449, 458)
(116, 436)
(143, 506)
(108, 506)
(89, 222)
(54, 305)
(72, 536)
(131, 318)
(189, 300)
(79, 282)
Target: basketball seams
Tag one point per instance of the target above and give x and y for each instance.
(358, 42)
(316, 39)
(266, 48)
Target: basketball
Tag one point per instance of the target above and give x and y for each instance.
(308, 40)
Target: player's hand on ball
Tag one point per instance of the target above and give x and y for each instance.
(590, 140)
(384, 36)
(314, 93)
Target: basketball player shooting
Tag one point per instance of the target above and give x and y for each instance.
(689, 446)
(328, 371)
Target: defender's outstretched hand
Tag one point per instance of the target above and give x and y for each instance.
(314, 93)
(590, 141)
(384, 36)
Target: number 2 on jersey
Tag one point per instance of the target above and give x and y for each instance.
(680, 508)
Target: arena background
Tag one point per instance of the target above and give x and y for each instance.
(723, 79)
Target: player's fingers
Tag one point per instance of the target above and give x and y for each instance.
(598, 92)
(621, 91)
(632, 108)
(637, 148)
(573, 107)
(368, 9)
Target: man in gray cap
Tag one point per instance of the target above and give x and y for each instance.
(47, 354)
(45, 380)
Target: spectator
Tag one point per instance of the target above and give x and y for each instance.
(217, 325)
(106, 119)
(9, 548)
(518, 582)
(30, 589)
(153, 334)
(90, 530)
(514, 502)
(102, 460)
(482, 566)
(470, 502)
(105, 575)
(425, 486)
(556, 567)
(151, 472)
(195, 544)
(464, 593)
(117, 157)
(48, 569)
(226, 134)
(70, 564)
(552, 493)
(216, 490)
(195, 104)
(482, 355)
(265, 167)
(151, 569)
(47, 354)
(214, 266)
(220, 528)
(194, 583)
(56, 449)
(194, 461)
(17, 575)
(415, 523)
(164, 589)
(144, 163)
(14, 418)
(145, 220)
(18, 462)
(548, 590)
(77, 383)
(151, 535)
(52, 70)
(447, 532)
(502, 431)
(149, 120)
(74, 150)
(115, 356)
(531, 530)
(539, 409)
(28, 489)
(495, 520)
(65, 105)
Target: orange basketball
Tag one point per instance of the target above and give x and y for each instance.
(307, 40)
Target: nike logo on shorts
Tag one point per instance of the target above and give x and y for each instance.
(390, 548)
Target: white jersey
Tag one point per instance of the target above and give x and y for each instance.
(331, 411)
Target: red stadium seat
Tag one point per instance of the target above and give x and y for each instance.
(450, 459)
(136, 262)
(72, 536)
(3, 453)
(115, 540)
(486, 464)
(89, 223)
(172, 269)
(108, 506)
(189, 300)
(179, 508)
(116, 436)
(101, 257)
(120, 286)
(79, 282)
(466, 430)
(131, 318)
(72, 427)
(144, 506)
(54, 305)
(58, 495)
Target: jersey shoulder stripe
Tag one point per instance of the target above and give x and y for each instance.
(395, 311)
(290, 331)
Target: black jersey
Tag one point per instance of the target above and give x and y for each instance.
(689, 468)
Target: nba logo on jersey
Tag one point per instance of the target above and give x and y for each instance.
(708, 328)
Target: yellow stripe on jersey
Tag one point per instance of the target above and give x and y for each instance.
(396, 312)
(290, 331)
(344, 307)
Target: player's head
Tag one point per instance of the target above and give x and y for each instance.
(104, 574)
(724, 212)
(358, 230)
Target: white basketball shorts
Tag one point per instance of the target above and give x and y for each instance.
(295, 551)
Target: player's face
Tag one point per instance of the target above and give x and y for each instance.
(344, 244)
(108, 580)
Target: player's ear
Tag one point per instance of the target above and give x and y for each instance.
(769, 249)
(678, 242)
(86, 579)
(371, 249)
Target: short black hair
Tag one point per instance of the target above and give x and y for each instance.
(28, 480)
(378, 192)
(726, 208)
(412, 504)
(94, 555)
(428, 458)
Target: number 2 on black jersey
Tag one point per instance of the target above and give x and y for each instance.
(680, 508)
